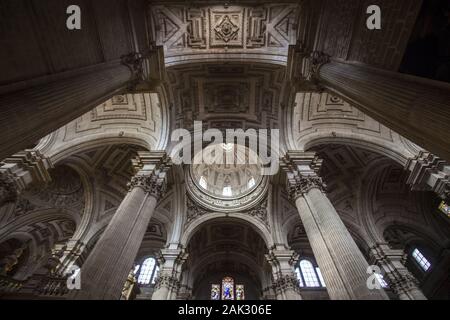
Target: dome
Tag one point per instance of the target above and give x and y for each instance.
(226, 171)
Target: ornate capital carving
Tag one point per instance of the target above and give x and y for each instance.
(302, 173)
(402, 283)
(305, 71)
(168, 281)
(303, 184)
(286, 282)
(400, 280)
(151, 173)
(317, 59)
(8, 189)
(152, 184)
(147, 68)
(135, 62)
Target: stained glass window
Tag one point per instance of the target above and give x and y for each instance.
(215, 292)
(445, 208)
(240, 293)
(421, 260)
(309, 274)
(146, 272)
(227, 288)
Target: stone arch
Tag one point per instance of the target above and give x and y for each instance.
(256, 225)
(396, 206)
(88, 143)
(226, 247)
(146, 123)
(39, 231)
(379, 146)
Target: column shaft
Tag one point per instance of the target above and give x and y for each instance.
(28, 112)
(400, 280)
(342, 264)
(416, 108)
(107, 267)
(285, 283)
(105, 271)
(169, 279)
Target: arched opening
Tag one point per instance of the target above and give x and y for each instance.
(227, 261)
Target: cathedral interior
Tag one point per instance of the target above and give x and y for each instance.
(94, 205)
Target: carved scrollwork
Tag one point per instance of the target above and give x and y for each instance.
(135, 62)
(401, 283)
(260, 212)
(8, 190)
(193, 210)
(168, 281)
(286, 282)
(303, 184)
(153, 184)
(317, 60)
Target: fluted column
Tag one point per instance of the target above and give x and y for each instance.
(106, 269)
(33, 109)
(342, 264)
(417, 108)
(168, 281)
(285, 283)
(400, 280)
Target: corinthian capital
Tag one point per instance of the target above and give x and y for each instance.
(316, 60)
(286, 282)
(301, 185)
(302, 173)
(8, 189)
(147, 68)
(152, 184)
(151, 173)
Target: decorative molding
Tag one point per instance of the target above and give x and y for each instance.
(135, 62)
(236, 204)
(8, 189)
(240, 96)
(168, 281)
(302, 173)
(152, 170)
(316, 61)
(429, 173)
(285, 283)
(301, 185)
(399, 278)
(260, 211)
(191, 33)
(194, 210)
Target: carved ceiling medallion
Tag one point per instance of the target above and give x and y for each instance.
(226, 30)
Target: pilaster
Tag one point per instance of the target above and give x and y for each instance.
(400, 280)
(285, 283)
